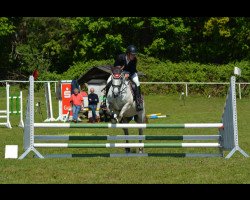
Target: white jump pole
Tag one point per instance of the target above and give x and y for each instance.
(21, 124)
(8, 125)
(48, 103)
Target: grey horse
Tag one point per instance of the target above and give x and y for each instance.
(121, 104)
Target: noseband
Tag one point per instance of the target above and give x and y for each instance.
(117, 82)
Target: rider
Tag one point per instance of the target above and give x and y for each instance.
(128, 63)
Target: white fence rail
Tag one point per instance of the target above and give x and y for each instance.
(17, 81)
(196, 83)
(153, 83)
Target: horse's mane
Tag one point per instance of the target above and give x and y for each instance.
(116, 70)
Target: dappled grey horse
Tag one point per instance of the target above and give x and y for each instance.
(121, 104)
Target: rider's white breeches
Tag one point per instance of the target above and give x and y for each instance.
(134, 78)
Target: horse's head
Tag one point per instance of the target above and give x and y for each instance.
(117, 80)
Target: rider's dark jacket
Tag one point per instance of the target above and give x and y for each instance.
(130, 67)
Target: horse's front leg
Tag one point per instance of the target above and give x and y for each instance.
(127, 150)
(123, 110)
(125, 130)
(112, 113)
(140, 118)
(140, 133)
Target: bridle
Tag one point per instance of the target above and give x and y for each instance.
(117, 81)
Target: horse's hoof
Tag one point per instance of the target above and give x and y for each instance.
(117, 120)
(140, 150)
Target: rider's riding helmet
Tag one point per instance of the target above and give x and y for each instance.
(131, 49)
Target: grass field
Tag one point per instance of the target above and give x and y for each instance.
(147, 170)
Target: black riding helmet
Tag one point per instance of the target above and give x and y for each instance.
(131, 49)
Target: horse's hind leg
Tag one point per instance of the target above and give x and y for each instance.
(140, 133)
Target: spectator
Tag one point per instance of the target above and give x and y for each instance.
(93, 101)
(76, 101)
(85, 97)
(74, 84)
(85, 103)
(103, 109)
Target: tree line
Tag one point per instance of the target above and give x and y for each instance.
(54, 44)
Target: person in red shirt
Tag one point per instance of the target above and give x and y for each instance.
(76, 101)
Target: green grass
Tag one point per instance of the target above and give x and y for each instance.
(197, 109)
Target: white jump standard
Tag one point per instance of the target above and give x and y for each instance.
(7, 111)
(227, 138)
(10, 106)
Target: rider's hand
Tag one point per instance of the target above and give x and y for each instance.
(126, 75)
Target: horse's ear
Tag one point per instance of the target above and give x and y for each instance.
(112, 69)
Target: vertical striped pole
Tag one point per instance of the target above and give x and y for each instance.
(8, 105)
(17, 105)
(21, 124)
(50, 102)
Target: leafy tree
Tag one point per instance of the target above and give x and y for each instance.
(7, 29)
(55, 44)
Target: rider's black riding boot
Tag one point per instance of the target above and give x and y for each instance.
(138, 100)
